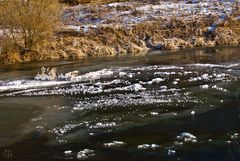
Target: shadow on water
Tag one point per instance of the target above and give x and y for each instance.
(146, 103)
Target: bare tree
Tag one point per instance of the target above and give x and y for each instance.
(25, 23)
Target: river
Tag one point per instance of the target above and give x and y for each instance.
(175, 106)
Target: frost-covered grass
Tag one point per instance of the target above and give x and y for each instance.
(136, 26)
(119, 28)
(135, 12)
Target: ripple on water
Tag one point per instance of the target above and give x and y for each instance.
(107, 100)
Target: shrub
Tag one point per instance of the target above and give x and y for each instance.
(25, 23)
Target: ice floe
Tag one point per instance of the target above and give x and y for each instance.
(204, 86)
(156, 80)
(235, 136)
(114, 144)
(85, 154)
(68, 152)
(154, 113)
(101, 81)
(187, 137)
(171, 152)
(193, 113)
(148, 146)
(103, 125)
(88, 76)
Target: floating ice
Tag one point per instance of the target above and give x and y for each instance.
(135, 87)
(204, 86)
(28, 84)
(62, 130)
(229, 142)
(193, 113)
(100, 125)
(86, 153)
(178, 143)
(205, 76)
(88, 76)
(122, 74)
(114, 144)
(68, 152)
(130, 75)
(156, 80)
(171, 152)
(235, 136)
(154, 113)
(69, 76)
(187, 137)
(165, 73)
(175, 82)
(215, 65)
(148, 146)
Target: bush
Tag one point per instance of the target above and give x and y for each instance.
(26, 23)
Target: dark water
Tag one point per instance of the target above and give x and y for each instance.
(143, 102)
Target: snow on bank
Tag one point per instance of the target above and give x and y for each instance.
(81, 18)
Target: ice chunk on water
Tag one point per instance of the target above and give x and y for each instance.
(130, 75)
(175, 82)
(156, 80)
(90, 76)
(193, 113)
(86, 153)
(68, 152)
(135, 87)
(100, 125)
(187, 137)
(235, 136)
(122, 74)
(205, 76)
(171, 152)
(154, 113)
(114, 144)
(204, 86)
(148, 146)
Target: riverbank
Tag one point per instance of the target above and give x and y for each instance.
(136, 27)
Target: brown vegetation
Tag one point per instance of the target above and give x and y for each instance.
(157, 33)
(174, 34)
(76, 2)
(25, 24)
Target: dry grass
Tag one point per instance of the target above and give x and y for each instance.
(173, 34)
(92, 2)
